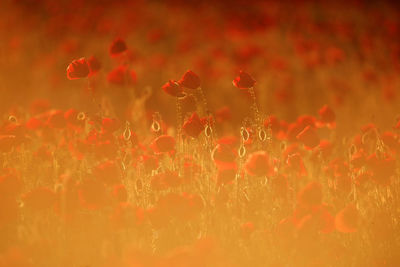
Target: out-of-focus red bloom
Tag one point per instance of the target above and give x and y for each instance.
(188, 104)
(310, 195)
(163, 144)
(79, 68)
(310, 221)
(94, 65)
(309, 137)
(358, 159)
(33, 123)
(296, 164)
(39, 199)
(110, 125)
(346, 220)
(173, 88)
(258, 164)
(193, 126)
(327, 114)
(190, 80)
(117, 47)
(121, 76)
(324, 149)
(56, 119)
(149, 162)
(244, 81)
(223, 114)
(223, 156)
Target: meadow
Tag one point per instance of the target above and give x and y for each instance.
(199, 133)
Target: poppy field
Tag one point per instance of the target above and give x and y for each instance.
(194, 133)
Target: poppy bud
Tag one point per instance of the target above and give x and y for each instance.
(327, 115)
(78, 68)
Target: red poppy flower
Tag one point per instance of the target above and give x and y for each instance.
(327, 115)
(110, 125)
(346, 220)
(173, 88)
(149, 162)
(258, 164)
(193, 126)
(79, 68)
(190, 80)
(223, 155)
(244, 81)
(310, 195)
(309, 137)
(163, 144)
(117, 47)
(296, 164)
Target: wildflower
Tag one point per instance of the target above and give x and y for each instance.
(173, 88)
(327, 115)
(310, 195)
(163, 143)
(308, 137)
(79, 68)
(258, 164)
(190, 80)
(244, 81)
(193, 126)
